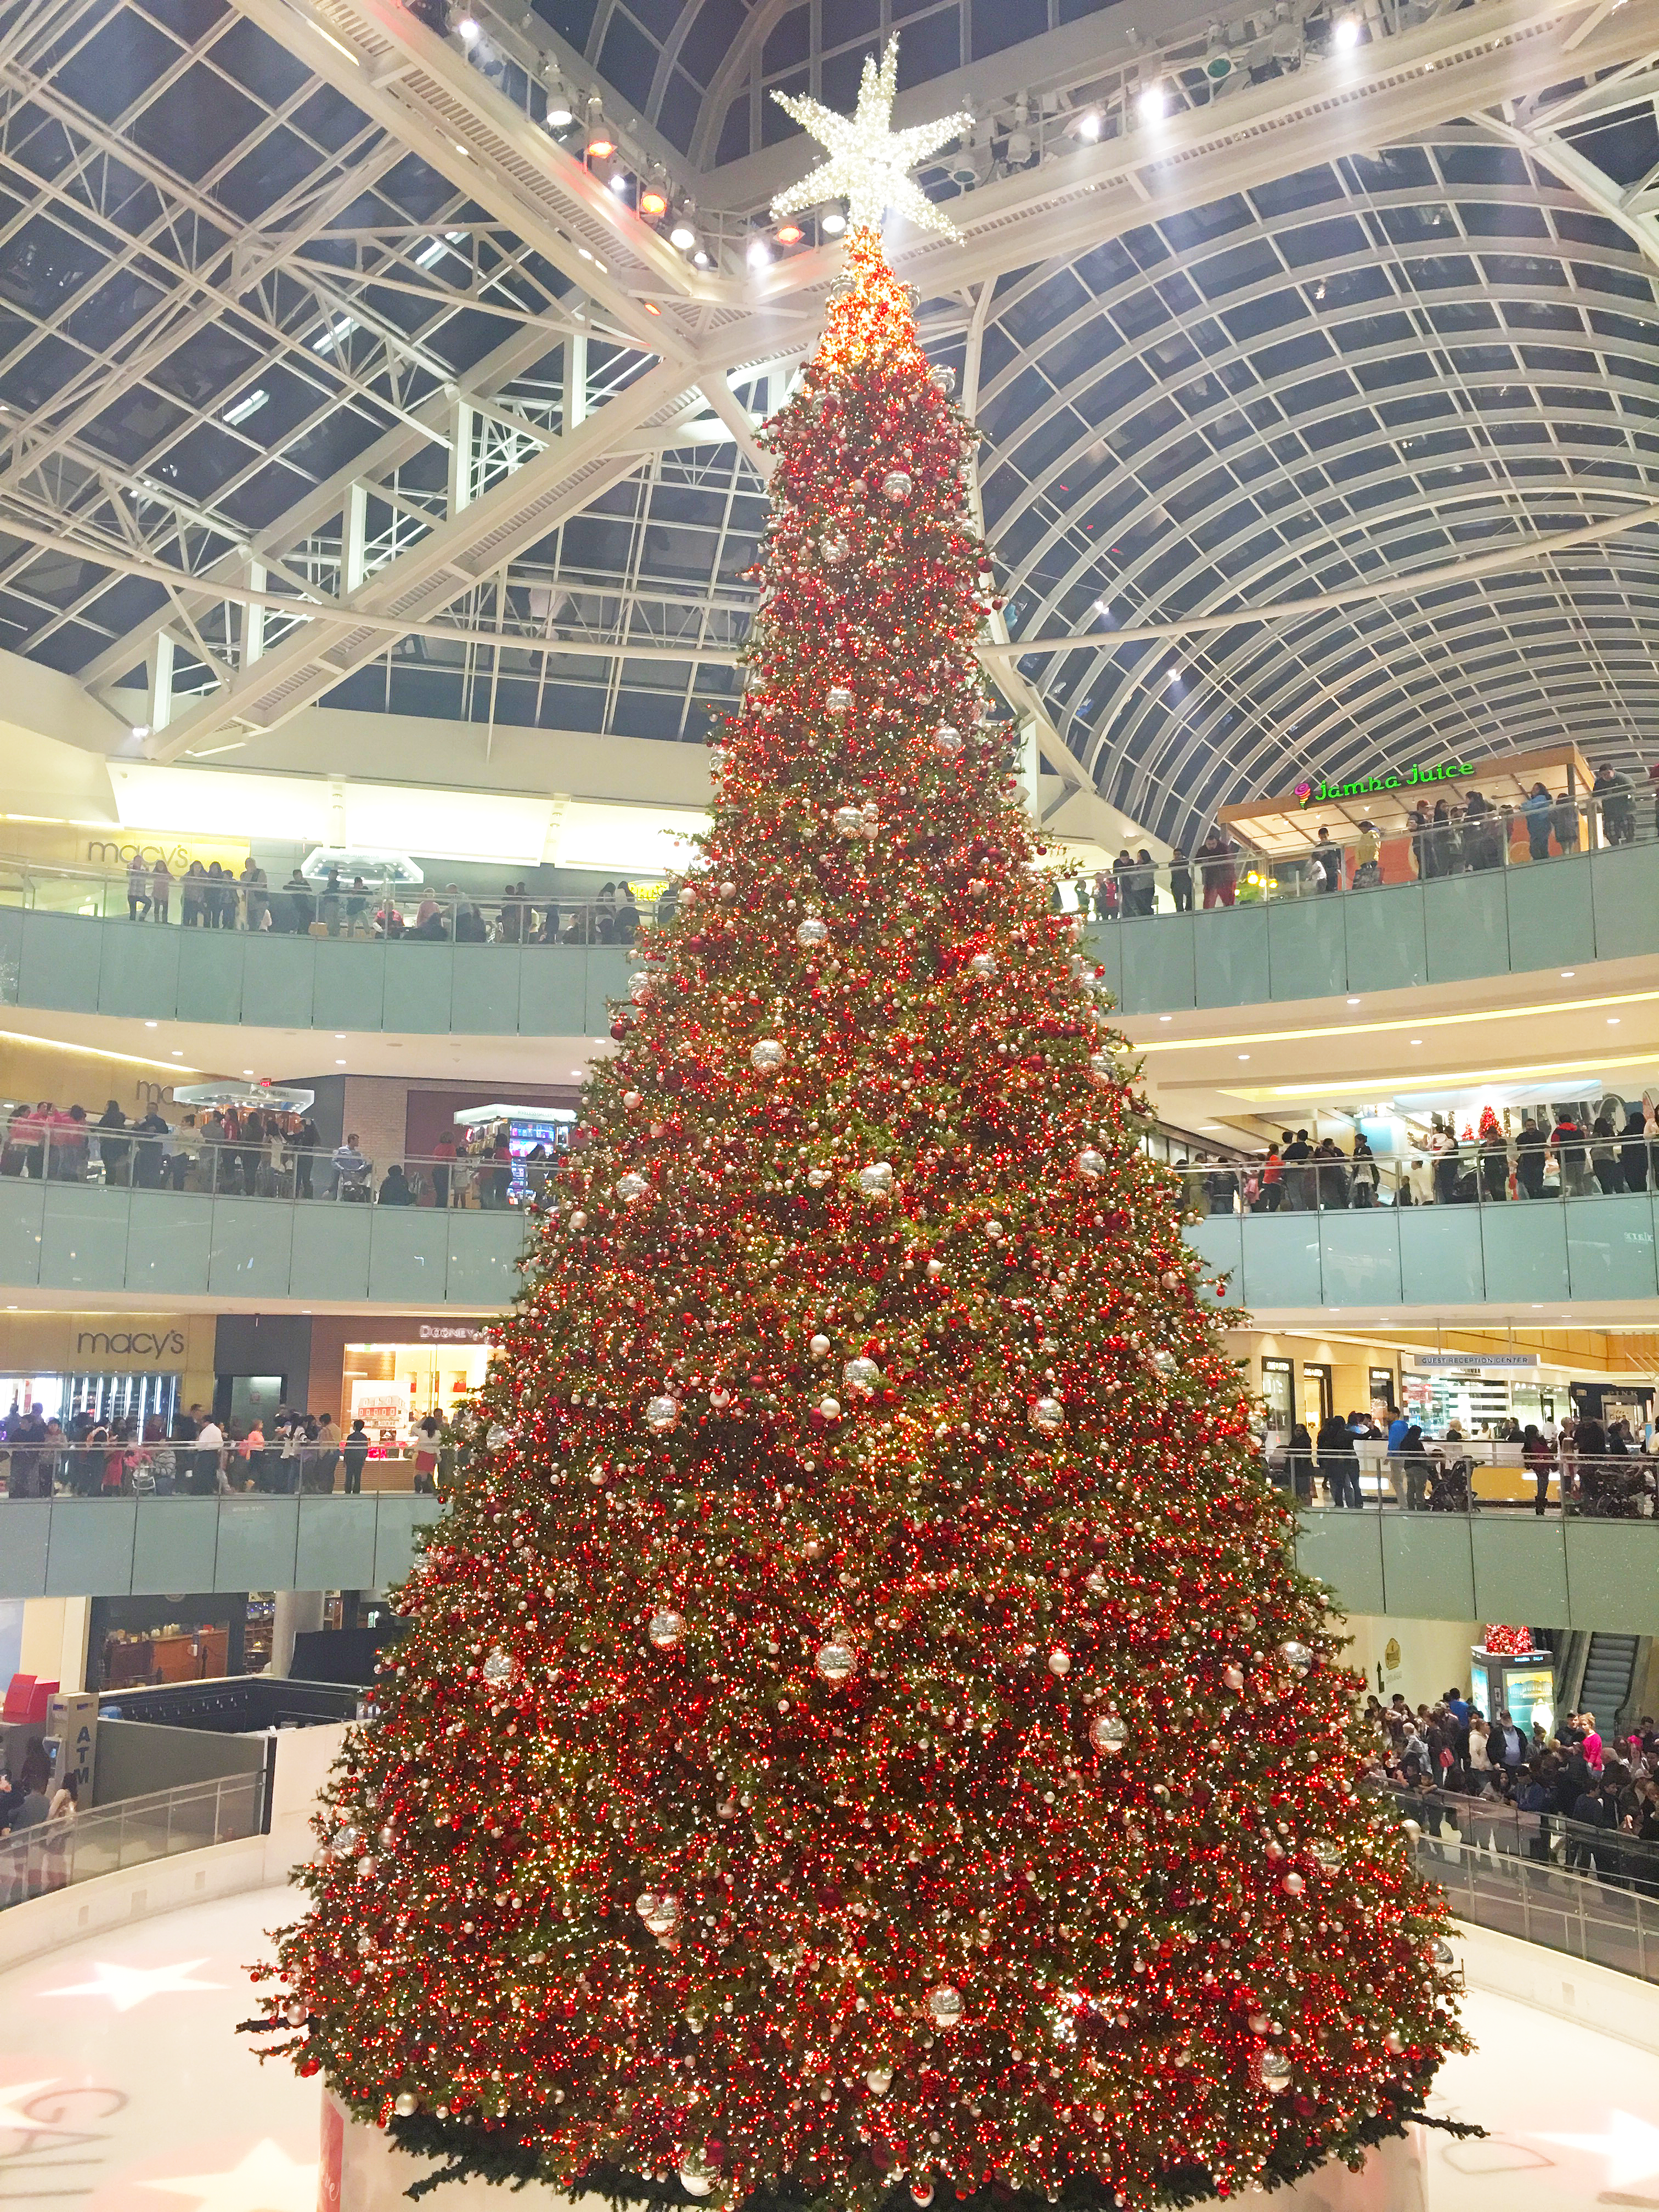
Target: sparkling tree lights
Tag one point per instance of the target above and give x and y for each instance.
(860, 1734)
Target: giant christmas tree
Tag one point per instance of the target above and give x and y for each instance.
(859, 1731)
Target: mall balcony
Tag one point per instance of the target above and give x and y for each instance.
(232, 1222)
(1469, 1236)
(1279, 920)
(1286, 918)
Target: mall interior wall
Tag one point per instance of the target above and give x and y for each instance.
(1420, 1659)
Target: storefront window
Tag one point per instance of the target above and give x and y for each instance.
(388, 1387)
(115, 1400)
(1278, 1389)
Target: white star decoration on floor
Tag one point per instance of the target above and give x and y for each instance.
(870, 162)
(1630, 2147)
(265, 2180)
(126, 1986)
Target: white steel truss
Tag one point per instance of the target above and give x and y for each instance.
(443, 417)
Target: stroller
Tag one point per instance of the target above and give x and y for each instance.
(1451, 1486)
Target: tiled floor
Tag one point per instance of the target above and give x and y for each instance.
(124, 2088)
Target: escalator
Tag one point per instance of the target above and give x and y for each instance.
(1609, 1668)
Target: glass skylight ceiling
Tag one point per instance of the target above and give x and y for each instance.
(225, 295)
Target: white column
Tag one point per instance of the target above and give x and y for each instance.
(460, 456)
(160, 681)
(575, 379)
(356, 529)
(253, 618)
(296, 1613)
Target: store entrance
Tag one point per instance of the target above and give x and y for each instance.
(113, 1400)
(388, 1387)
(18, 1393)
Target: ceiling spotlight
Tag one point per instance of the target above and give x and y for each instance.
(684, 236)
(467, 30)
(558, 115)
(760, 254)
(653, 202)
(1150, 104)
(618, 181)
(789, 233)
(1090, 123)
(141, 729)
(833, 224)
(1346, 35)
(702, 260)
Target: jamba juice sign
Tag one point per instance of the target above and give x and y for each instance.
(1310, 794)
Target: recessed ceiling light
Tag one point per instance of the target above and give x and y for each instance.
(1417, 1040)
(177, 1052)
(339, 1063)
(1353, 1002)
(1612, 1021)
(1163, 1017)
(1243, 1055)
(1567, 974)
(152, 1025)
(247, 1071)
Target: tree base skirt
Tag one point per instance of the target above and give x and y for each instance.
(363, 2171)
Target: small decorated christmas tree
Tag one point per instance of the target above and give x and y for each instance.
(860, 1730)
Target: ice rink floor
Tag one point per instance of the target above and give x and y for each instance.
(123, 2088)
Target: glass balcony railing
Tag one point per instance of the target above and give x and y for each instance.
(163, 1213)
(1474, 839)
(117, 1544)
(194, 1156)
(248, 905)
(1465, 1475)
(1470, 1228)
(351, 958)
(1591, 1892)
(1606, 1155)
(57, 1854)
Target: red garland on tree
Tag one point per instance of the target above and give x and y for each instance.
(859, 1724)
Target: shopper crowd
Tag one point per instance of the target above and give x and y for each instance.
(197, 1456)
(1439, 838)
(214, 897)
(233, 1151)
(1562, 1151)
(1599, 1469)
(1592, 1804)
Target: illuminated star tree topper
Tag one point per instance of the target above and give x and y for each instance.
(870, 162)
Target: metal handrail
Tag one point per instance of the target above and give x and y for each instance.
(1582, 1162)
(1231, 874)
(193, 1159)
(382, 912)
(57, 1854)
(1450, 1476)
(1609, 1918)
(155, 1469)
